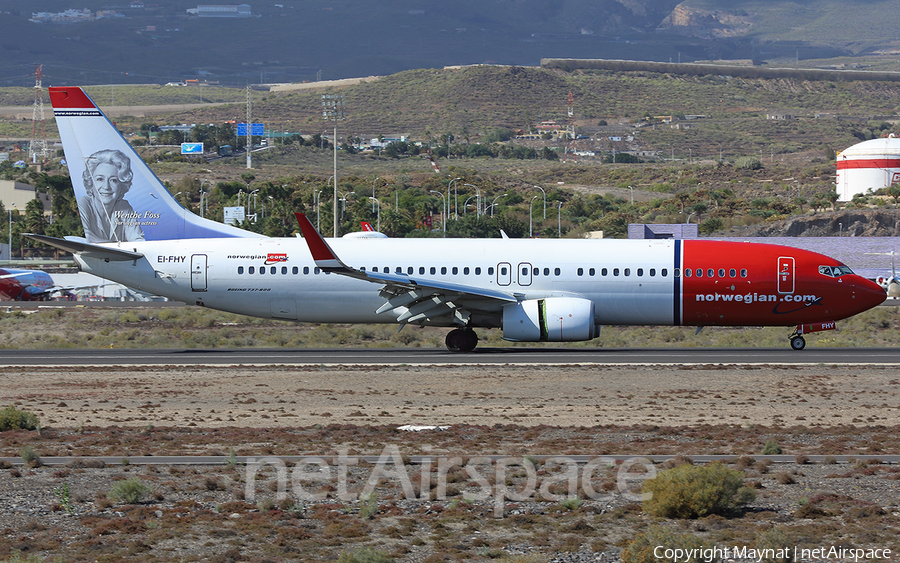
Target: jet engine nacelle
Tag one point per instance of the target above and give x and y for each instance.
(555, 319)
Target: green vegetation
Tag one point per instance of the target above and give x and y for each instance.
(364, 555)
(641, 548)
(771, 448)
(13, 419)
(689, 491)
(129, 491)
(29, 457)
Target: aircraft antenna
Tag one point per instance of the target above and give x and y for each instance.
(37, 148)
(570, 132)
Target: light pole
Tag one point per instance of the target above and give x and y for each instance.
(455, 200)
(443, 210)
(378, 221)
(344, 202)
(477, 199)
(240, 192)
(373, 193)
(559, 220)
(691, 215)
(545, 200)
(253, 193)
(10, 230)
(333, 108)
(530, 214)
(632, 194)
(493, 203)
(316, 201)
(202, 196)
(466, 204)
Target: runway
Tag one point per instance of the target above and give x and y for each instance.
(440, 356)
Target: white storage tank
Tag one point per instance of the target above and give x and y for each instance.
(871, 164)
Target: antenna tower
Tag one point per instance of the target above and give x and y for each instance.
(570, 132)
(37, 148)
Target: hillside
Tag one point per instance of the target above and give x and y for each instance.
(854, 223)
(319, 39)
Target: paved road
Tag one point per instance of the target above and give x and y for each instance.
(486, 355)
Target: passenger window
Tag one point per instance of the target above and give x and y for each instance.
(306, 270)
(316, 271)
(284, 270)
(478, 271)
(665, 272)
(503, 270)
(455, 270)
(409, 270)
(556, 272)
(251, 269)
(443, 270)
(743, 272)
(295, 270)
(421, 270)
(687, 272)
(546, 271)
(710, 273)
(627, 271)
(491, 271)
(536, 271)
(615, 271)
(432, 270)
(732, 272)
(640, 272)
(398, 270)
(273, 270)
(361, 269)
(678, 272)
(592, 272)
(721, 272)
(466, 271)
(580, 271)
(524, 271)
(604, 272)
(240, 269)
(652, 272)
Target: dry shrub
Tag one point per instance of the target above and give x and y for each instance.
(693, 492)
(641, 548)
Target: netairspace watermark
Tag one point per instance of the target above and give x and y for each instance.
(491, 477)
(785, 553)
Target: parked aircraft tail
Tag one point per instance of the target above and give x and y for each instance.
(119, 198)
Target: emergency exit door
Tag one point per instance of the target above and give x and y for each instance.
(785, 274)
(198, 272)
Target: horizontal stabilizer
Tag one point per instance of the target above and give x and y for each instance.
(87, 249)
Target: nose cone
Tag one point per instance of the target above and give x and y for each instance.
(865, 294)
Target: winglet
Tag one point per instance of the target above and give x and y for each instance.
(324, 257)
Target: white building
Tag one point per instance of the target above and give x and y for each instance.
(873, 164)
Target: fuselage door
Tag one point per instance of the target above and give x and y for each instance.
(524, 273)
(198, 272)
(504, 273)
(786, 274)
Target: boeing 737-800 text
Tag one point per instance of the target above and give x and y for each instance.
(534, 290)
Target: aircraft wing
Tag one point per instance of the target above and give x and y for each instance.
(411, 298)
(87, 249)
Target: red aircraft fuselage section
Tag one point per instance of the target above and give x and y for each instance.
(24, 285)
(760, 284)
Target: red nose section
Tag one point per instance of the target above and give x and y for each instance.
(866, 294)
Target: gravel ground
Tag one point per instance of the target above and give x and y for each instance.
(209, 513)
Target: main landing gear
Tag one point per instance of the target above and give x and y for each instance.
(461, 340)
(796, 338)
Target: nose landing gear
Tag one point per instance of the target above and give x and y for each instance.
(461, 340)
(796, 338)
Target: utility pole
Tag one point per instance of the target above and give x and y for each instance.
(249, 127)
(333, 108)
(38, 145)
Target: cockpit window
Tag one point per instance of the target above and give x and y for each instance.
(835, 271)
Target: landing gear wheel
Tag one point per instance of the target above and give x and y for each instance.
(461, 340)
(798, 343)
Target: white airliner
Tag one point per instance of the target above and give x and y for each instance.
(534, 290)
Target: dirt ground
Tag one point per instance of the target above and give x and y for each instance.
(569, 396)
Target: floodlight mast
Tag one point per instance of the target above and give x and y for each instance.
(333, 108)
